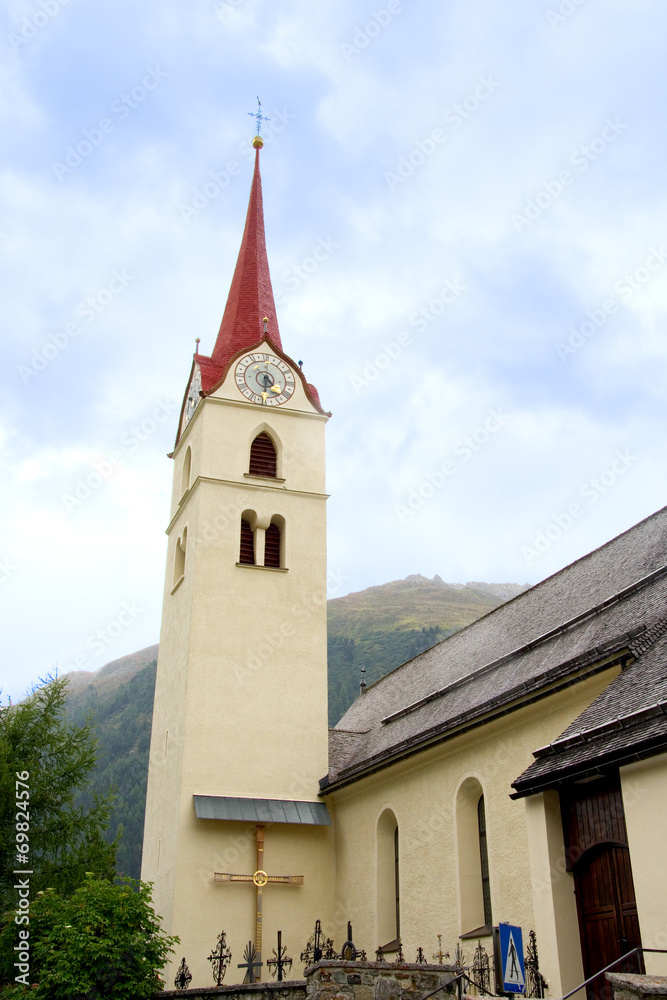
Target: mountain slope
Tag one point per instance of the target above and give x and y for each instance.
(377, 629)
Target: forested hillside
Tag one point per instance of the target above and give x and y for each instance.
(122, 714)
(376, 629)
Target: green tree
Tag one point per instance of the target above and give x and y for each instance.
(104, 941)
(63, 840)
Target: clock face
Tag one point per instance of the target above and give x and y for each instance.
(264, 378)
(192, 398)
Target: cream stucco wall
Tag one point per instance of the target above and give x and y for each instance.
(643, 785)
(422, 793)
(241, 695)
(555, 906)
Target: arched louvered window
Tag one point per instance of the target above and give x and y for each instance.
(263, 456)
(272, 546)
(247, 554)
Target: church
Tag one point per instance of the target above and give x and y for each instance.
(513, 773)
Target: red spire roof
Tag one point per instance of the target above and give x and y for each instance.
(250, 301)
(250, 295)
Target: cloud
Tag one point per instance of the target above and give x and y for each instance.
(110, 237)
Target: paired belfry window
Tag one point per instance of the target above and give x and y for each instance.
(263, 458)
(273, 542)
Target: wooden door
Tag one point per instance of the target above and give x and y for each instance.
(607, 912)
(596, 844)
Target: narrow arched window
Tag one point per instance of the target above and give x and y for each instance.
(484, 861)
(388, 883)
(247, 554)
(263, 460)
(272, 546)
(397, 883)
(185, 475)
(473, 858)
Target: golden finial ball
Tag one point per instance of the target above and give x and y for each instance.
(257, 142)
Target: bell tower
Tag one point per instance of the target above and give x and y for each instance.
(235, 837)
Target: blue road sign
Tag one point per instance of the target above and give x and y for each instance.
(511, 957)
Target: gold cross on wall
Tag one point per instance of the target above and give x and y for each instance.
(260, 879)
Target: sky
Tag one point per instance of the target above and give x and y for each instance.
(465, 215)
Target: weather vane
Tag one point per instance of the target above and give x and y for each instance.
(259, 116)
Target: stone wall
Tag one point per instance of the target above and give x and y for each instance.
(631, 986)
(293, 990)
(338, 980)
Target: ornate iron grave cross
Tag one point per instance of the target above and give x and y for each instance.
(279, 960)
(251, 963)
(183, 976)
(260, 878)
(220, 958)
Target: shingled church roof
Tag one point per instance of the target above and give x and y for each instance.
(582, 619)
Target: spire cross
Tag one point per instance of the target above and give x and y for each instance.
(260, 879)
(259, 116)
